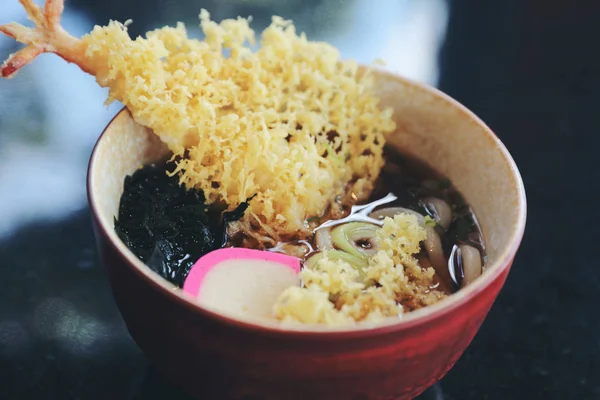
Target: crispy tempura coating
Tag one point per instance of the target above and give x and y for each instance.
(290, 122)
(402, 284)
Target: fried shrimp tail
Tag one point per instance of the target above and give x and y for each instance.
(47, 36)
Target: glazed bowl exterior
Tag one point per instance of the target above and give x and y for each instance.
(212, 356)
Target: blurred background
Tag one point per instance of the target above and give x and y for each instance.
(529, 68)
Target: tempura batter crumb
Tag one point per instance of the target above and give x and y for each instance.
(290, 122)
(332, 295)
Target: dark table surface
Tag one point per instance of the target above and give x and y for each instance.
(531, 70)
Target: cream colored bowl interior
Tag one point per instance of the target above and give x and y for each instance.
(431, 126)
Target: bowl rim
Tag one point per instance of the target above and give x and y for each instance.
(409, 320)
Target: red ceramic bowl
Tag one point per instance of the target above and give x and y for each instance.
(214, 357)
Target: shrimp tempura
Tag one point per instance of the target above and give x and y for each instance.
(290, 123)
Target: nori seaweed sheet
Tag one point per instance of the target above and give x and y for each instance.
(167, 226)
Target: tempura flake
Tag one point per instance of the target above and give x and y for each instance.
(291, 122)
(333, 294)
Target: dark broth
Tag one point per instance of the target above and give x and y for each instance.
(170, 228)
(412, 181)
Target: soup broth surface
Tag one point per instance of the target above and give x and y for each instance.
(170, 228)
(418, 188)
